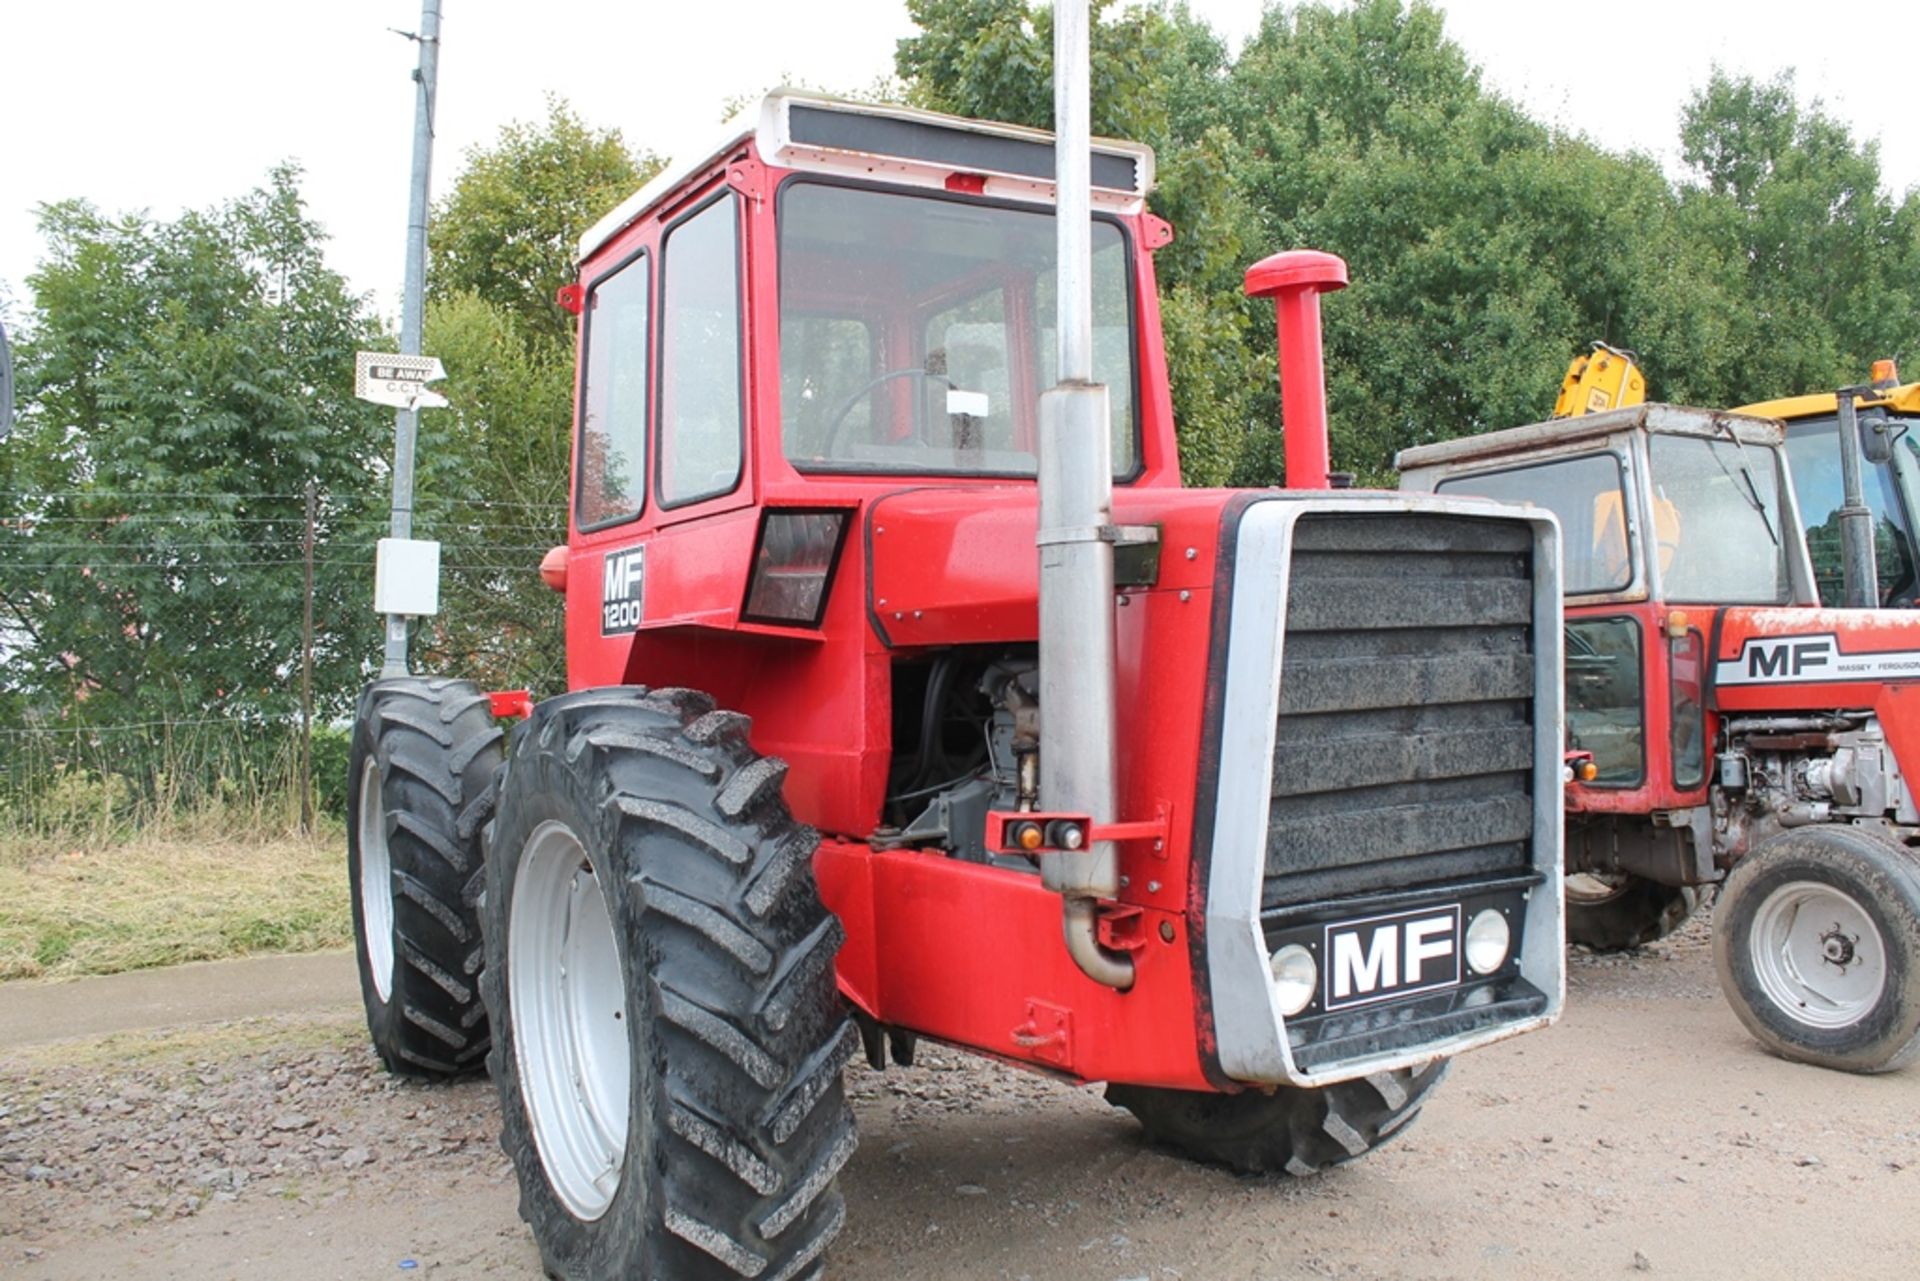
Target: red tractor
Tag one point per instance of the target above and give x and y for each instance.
(909, 699)
(1729, 728)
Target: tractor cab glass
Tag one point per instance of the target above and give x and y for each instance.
(1813, 453)
(1717, 520)
(916, 332)
(1588, 494)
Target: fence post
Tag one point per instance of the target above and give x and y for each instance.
(306, 678)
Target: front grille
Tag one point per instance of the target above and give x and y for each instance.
(1405, 747)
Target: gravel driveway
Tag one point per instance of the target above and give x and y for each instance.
(1644, 1134)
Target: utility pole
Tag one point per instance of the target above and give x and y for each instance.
(406, 421)
(6, 384)
(306, 672)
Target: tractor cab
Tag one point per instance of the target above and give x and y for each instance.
(1722, 725)
(1666, 514)
(1887, 412)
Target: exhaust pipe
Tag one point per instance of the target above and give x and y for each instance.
(1857, 552)
(1295, 280)
(1076, 533)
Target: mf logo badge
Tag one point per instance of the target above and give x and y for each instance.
(1387, 956)
(1789, 660)
(623, 581)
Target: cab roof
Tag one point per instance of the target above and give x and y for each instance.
(1679, 420)
(902, 145)
(1904, 399)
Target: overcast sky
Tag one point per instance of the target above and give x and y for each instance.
(135, 104)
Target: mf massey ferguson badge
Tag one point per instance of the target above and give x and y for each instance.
(910, 698)
(1729, 730)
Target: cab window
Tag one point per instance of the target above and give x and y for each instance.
(700, 402)
(1605, 706)
(613, 398)
(916, 332)
(1588, 496)
(1813, 456)
(1728, 542)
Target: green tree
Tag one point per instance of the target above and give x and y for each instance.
(180, 384)
(1814, 261)
(509, 229)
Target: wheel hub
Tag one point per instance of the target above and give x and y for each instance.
(568, 1008)
(1838, 947)
(1817, 955)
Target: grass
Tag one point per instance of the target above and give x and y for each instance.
(197, 889)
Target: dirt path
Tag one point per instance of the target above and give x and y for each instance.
(36, 1013)
(1646, 1134)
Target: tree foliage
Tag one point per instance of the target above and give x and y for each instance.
(508, 231)
(181, 383)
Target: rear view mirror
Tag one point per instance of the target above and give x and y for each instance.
(1877, 433)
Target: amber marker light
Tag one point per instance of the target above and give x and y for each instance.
(1028, 836)
(1677, 624)
(553, 568)
(1588, 771)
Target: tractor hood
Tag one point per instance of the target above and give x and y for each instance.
(960, 566)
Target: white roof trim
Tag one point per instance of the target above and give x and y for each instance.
(769, 124)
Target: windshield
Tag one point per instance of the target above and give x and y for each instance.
(916, 332)
(1813, 455)
(1586, 493)
(1717, 516)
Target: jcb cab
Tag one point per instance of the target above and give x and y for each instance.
(910, 698)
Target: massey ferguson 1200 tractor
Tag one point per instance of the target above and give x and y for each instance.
(911, 699)
(1727, 726)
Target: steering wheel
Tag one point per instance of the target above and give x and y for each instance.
(845, 407)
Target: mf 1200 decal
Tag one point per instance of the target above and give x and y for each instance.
(623, 581)
(1796, 660)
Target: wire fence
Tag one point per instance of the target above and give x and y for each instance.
(167, 650)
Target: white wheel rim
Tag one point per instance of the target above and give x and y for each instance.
(1817, 955)
(1593, 888)
(568, 1003)
(376, 881)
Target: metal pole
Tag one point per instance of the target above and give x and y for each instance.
(1856, 519)
(406, 422)
(1076, 532)
(6, 384)
(306, 674)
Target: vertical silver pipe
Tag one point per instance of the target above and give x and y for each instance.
(1076, 517)
(1073, 170)
(1862, 575)
(406, 422)
(6, 385)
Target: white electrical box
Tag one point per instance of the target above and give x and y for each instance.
(406, 577)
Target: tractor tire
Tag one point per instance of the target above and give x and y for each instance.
(668, 1033)
(1817, 941)
(1611, 912)
(420, 787)
(1294, 1130)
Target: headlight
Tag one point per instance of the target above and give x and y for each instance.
(1488, 939)
(1296, 978)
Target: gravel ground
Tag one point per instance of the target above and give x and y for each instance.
(1644, 1134)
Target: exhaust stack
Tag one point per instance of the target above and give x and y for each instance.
(1076, 533)
(1295, 280)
